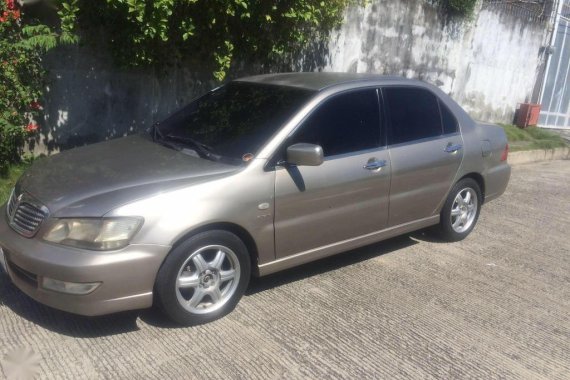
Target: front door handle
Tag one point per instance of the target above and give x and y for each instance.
(375, 164)
(452, 148)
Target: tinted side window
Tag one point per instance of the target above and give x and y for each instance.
(448, 120)
(414, 114)
(346, 123)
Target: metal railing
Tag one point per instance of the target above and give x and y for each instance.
(533, 11)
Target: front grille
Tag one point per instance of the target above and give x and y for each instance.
(25, 215)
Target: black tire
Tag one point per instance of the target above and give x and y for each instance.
(170, 298)
(445, 229)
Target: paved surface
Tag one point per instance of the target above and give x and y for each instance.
(496, 305)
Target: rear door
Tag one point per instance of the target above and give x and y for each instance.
(346, 196)
(426, 150)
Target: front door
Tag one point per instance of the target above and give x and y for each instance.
(346, 196)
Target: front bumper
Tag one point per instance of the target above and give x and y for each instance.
(127, 276)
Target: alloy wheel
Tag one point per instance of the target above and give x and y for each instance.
(208, 279)
(464, 210)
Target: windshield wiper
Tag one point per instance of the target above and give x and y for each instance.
(179, 142)
(158, 137)
(200, 148)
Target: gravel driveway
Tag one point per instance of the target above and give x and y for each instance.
(496, 305)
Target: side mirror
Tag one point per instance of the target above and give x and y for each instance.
(305, 154)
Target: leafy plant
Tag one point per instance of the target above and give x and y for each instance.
(21, 79)
(67, 13)
(215, 32)
(462, 8)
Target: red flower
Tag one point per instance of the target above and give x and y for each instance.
(6, 15)
(31, 127)
(12, 13)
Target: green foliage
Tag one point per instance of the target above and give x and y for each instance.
(11, 140)
(36, 38)
(20, 71)
(462, 8)
(21, 79)
(67, 13)
(515, 133)
(215, 32)
(532, 138)
(9, 178)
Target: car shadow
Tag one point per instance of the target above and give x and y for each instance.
(260, 284)
(428, 235)
(78, 326)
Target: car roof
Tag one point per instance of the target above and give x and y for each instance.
(318, 81)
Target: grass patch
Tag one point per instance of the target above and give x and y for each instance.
(532, 138)
(8, 181)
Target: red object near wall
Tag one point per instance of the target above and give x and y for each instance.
(527, 114)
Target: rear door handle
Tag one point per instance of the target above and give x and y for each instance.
(375, 165)
(452, 148)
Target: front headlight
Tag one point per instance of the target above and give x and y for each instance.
(96, 234)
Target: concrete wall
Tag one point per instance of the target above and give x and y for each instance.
(90, 100)
(487, 64)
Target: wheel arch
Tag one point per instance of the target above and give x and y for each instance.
(480, 181)
(236, 229)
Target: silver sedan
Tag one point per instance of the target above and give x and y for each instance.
(259, 175)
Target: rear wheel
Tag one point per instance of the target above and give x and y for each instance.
(461, 210)
(203, 278)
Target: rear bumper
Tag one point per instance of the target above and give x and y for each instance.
(127, 276)
(496, 181)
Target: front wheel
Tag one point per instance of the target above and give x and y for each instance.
(203, 278)
(461, 210)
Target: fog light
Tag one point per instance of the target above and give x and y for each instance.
(69, 287)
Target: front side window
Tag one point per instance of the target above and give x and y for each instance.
(346, 123)
(414, 114)
(233, 122)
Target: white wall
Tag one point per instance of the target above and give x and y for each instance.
(488, 64)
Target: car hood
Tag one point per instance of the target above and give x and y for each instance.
(92, 180)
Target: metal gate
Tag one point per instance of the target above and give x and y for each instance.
(555, 94)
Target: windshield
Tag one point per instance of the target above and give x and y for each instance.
(234, 121)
